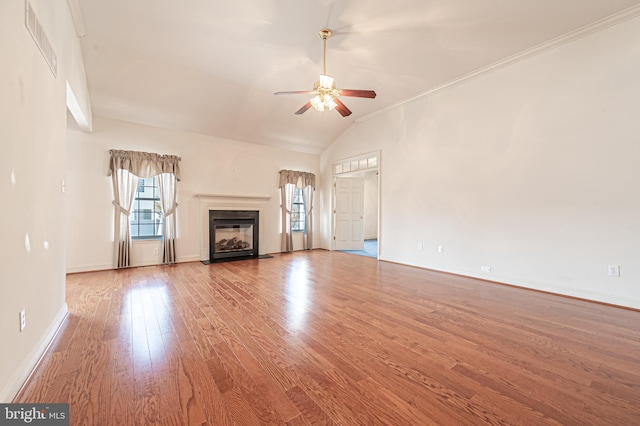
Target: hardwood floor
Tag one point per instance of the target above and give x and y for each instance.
(331, 338)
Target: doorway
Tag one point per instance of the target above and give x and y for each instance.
(356, 207)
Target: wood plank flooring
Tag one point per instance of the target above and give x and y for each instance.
(334, 339)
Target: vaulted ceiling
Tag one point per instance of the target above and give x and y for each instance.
(212, 67)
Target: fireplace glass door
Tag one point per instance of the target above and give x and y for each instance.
(233, 238)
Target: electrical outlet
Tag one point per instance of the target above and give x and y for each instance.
(485, 268)
(419, 246)
(440, 249)
(155, 250)
(23, 319)
(614, 270)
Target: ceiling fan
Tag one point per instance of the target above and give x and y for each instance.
(325, 91)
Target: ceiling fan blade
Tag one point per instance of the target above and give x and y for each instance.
(342, 108)
(295, 92)
(358, 93)
(304, 108)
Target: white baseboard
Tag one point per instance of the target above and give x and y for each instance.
(107, 267)
(92, 268)
(10, 390)
(578, 293)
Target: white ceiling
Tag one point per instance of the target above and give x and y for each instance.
(212, 67)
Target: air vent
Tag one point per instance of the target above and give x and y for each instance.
(41, 39)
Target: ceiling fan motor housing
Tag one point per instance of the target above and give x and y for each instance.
(324, 33)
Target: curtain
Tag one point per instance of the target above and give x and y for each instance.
(289, 181)
(299, 179)
(125, 169)
(307, 196)
(287, 192)
(144, 164)
(168, 192)
(125, 186)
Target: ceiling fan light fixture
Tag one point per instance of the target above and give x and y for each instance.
(326, 81)
(317, 103)
(330, 103)
(323, 102)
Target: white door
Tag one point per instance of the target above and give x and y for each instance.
(349, 212)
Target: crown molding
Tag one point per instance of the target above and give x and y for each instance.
(576, 34)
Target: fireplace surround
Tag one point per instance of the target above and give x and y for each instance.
(209, 202)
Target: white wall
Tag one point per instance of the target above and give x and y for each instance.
(371, 205)
(531, 169)
(32, 168)
(209, 166)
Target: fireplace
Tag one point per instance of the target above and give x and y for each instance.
(233, 234)
(245, 203)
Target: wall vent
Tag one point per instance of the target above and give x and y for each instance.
(41, 39)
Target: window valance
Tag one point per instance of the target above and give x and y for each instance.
(144, 164)
(299, 179)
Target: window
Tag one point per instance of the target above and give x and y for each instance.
(142, 215)
(298, 212)
(146, 221)
(365, 162)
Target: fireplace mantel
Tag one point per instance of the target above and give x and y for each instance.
(227, 202)
(231, 198)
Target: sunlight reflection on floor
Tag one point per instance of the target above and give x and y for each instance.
(148, 317)
(298, 286)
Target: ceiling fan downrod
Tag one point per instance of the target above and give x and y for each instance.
(324, 34)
